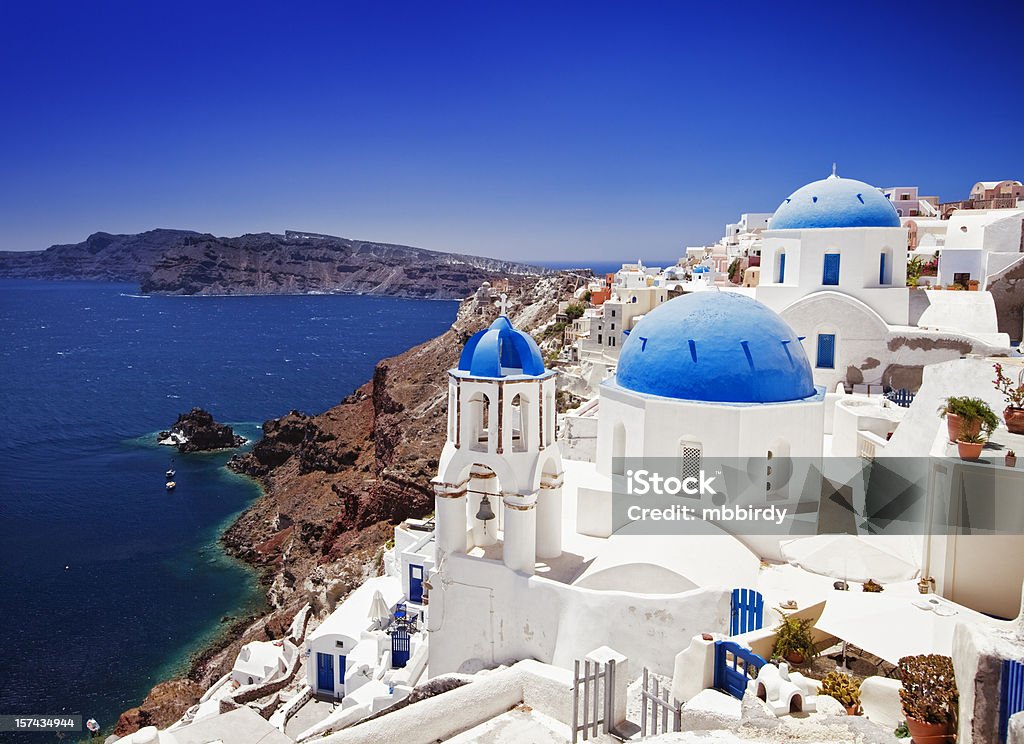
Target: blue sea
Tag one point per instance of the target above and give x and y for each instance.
(110, 583)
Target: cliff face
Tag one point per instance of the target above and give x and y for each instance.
(100, 257)
(297, 263)
(190, 263)
(335, 483)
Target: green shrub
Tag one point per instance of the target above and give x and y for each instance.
(970, 410)
(793, 636)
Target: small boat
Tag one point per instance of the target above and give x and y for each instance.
(170, 474)
(170, 485)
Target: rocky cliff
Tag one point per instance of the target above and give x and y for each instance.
(100, 257)
(335, 482)
(189, 263)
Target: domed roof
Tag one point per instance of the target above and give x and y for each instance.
(500, 351)
(718, 347)
(835, 202)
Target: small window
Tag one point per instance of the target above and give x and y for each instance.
(599, 338)
(782, 267)
(830, 274)
(826, 351)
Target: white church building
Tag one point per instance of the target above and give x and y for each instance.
(834, 266)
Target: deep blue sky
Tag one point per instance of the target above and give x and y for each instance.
(527, 130)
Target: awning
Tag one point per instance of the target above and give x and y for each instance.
(894, 626)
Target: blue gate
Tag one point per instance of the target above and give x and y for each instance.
(1011, 694)
(399, 647)
(325, 672)
(747, 611)
(415, 583)
(734, 665)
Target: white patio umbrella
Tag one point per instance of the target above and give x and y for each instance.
(893, 626)
(884, 558)
(379, 611)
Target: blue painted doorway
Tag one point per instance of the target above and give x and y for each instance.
(415, 583)
(325, 672)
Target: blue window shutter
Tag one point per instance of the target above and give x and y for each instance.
(881, 269)
(782, 268)
(830, 275)
(826, 351)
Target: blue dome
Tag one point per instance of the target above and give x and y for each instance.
(835, 202)
(719, 347)
(500, 351)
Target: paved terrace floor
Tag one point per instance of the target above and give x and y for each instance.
(521, 725)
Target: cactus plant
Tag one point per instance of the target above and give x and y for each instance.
(843, 688)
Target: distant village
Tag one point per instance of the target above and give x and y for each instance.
(850, 361)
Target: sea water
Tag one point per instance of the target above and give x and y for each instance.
(108, 583)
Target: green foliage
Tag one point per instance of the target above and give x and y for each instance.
(734, 271)
(914, 268)
(928, 691)
(969, 437)
(842, 687)
(902, 732)
(793, 636)
(971, 410)
(587, 295)
(574, 310)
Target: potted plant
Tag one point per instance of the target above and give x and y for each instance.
(844, 688)
(1013, 392)
(929, 697)
(873, 586)
(974, 411)
(1011, 459)
(969, 446)
(794, 641)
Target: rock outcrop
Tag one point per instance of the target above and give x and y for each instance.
(335, 483)
(196, 431)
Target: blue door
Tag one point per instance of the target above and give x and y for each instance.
(881, 268)
(831, 272)
(325, 672)
(341, 674)
(415, 583)
(782, 268)
(826, 350)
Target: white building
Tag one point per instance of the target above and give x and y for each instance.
(834, 266)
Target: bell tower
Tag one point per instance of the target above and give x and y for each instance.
(499, 482)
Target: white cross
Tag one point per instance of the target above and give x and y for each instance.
(503, 304)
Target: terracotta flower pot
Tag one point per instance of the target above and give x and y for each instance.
(969, 450)
(1014, 418)
(852, 710)
(1011, 461)
(794, 657)
(953, 423)
(922, 732)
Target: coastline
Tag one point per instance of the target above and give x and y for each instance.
(333, 485)
(189, 661)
